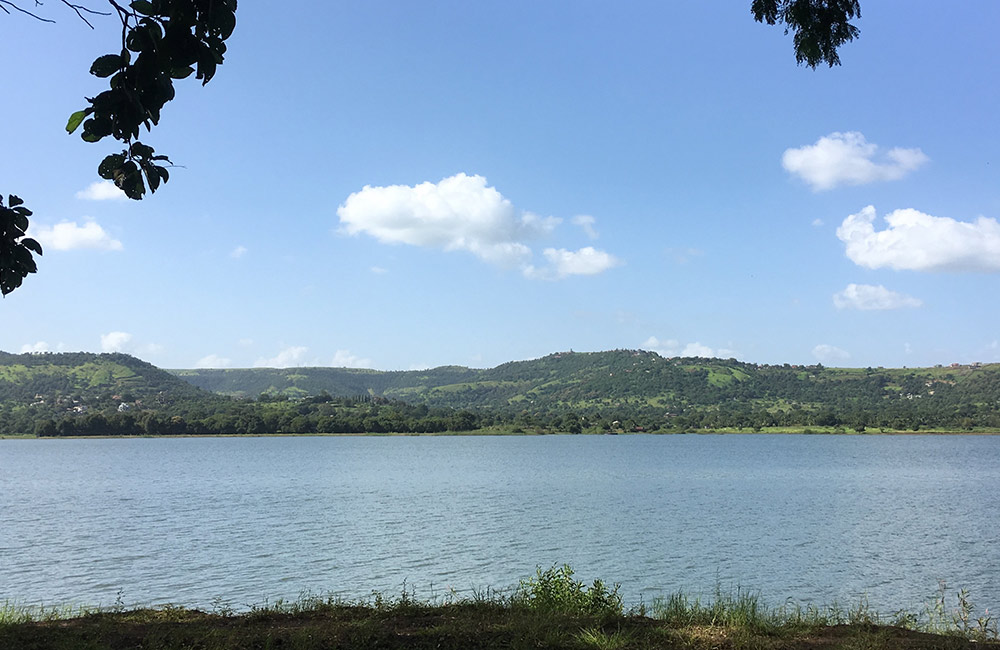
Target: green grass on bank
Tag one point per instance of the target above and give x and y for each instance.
(550, 610)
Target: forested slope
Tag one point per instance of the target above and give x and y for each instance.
(615, 391)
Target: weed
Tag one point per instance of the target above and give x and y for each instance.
(555, 590)
(598, 639)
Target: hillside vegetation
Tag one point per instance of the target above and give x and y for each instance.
(655, 392)
(614, 392)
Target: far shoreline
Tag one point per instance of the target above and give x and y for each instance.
(774, 431)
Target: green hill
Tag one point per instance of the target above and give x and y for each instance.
(645, 386)
(84, 386)
(620, 390)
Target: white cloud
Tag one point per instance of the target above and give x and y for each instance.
(238, 252)
(817, 223)
(246, 342)
(289, 357)
(378, 270)
(40, 346)
(68, 235)
(665, 348)
(849, 159)
(101, 191)
(673, 348)
(915, 241)
(459, 213)
(697, 350)
(872, 297)
(115, 341)
(213, 361)
(825, 352)
(564, 263)
(344, 359)
(586, 223)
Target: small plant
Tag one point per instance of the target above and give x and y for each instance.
(598, 639)
(555, 590)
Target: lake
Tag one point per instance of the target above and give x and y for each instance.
(192, 521)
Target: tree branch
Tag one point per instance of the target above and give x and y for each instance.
(13, 6)
(80, 10)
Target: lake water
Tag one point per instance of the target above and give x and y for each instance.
(242, 520)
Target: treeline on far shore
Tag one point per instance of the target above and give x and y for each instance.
(324, 414)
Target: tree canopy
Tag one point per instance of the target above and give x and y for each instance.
(820, 27)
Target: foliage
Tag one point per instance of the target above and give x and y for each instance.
(555, 590)
(633, 390)
(16, 261)
(483, 621)
(820, 26)
(604, 392)
(162, 40)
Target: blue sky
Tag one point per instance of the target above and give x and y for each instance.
(404, 185)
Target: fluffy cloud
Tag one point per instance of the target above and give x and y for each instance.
(849, 159)
(916, 241)
(673, 348)
(872, 297)
(213, 361)
(123, 342)
(115, 341)
(69, 235)
(238, 252)
(459, 213)
(825, 352)
(40, 346)
(344, 359)
(564, 263)
(289, 357)
(586, 223)
(462, 212)
(101, 191)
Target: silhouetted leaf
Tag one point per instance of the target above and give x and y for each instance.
(143, 7)
(105, 66)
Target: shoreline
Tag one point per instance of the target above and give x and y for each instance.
(805, 431)
(551, 610)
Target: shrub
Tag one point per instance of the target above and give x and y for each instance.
(555, 590)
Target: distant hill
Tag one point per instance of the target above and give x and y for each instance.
(80, 386)
(87, 376)
(637, 381)
(619, 390)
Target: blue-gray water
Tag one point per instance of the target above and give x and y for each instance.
(243, 520)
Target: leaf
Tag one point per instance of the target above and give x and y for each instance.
(31, 244)
(76, 119)
(106, 169)
(143, 7)
(105, 66)
(153, 176)
(181, 72)
(15, 201)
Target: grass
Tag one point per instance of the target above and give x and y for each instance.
(549, 610)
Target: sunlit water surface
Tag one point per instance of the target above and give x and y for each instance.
(242, 521)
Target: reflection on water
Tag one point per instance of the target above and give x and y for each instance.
(188, 521)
